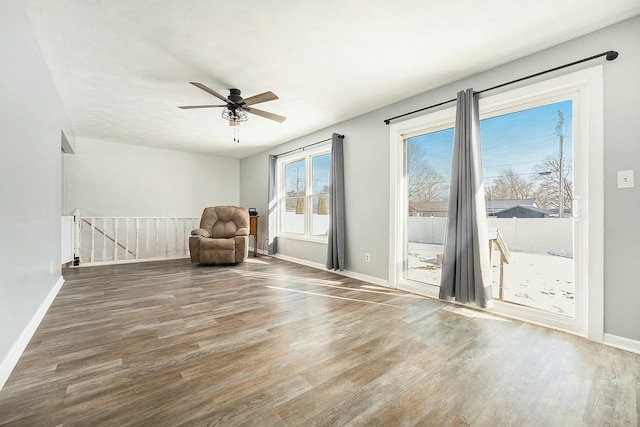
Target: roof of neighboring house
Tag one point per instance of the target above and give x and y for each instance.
(433, 206)
(493, 206)
(504, 204)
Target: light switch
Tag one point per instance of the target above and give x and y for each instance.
(625, 179)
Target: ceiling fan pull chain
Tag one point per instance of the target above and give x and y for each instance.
(236, 134)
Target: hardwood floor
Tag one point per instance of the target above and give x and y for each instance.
(271, 343)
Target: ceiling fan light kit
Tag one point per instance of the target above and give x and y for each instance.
(235, 115)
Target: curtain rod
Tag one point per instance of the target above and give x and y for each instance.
(611, 55)
(307, 146)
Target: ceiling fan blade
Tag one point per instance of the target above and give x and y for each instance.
(263, 97)
(211, 91)
(188, 107)
(265, 114)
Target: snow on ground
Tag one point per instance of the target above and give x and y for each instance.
(542, 281)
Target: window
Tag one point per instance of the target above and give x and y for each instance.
(303, 207)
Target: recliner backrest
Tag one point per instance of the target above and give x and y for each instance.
(224, 221)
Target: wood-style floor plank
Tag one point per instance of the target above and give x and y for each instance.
(271, 343)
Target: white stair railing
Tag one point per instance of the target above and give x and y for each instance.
(103, 240)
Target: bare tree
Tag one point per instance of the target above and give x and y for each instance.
(549, 182)
(296, 183)
(425, 184)
(295, 199)
(511, 185)
(323, 208)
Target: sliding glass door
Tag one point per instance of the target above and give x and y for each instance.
(527, 156)
(527, 168)
(542, 149)
(428, 172)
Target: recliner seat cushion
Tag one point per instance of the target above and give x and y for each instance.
(217, 251)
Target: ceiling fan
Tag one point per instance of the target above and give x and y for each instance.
(237, 107)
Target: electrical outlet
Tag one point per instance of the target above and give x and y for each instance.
(367, 257)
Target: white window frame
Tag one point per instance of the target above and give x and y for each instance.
(587, 87)
(306, 155)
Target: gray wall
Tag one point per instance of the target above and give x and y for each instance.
(367, 168)
(621, 152)
(31, 119)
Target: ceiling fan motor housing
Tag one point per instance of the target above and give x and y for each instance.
(234, 95)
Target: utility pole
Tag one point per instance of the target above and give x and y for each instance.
(560, 134)
(299, 201)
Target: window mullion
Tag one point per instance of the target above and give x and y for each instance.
(308, 192)
(281, 195)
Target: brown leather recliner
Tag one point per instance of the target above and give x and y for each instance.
(223, 236)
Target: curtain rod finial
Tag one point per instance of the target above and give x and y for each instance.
(611, 55)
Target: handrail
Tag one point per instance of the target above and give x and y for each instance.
(502, 247)
(505, 257)
(120, 245)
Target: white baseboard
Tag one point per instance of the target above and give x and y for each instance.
(622, 343)
(346, 273)
(10, 361)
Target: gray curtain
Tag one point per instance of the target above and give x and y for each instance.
(335, 247)
(465, 269)
(273, 212)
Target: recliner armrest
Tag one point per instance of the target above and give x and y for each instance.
(200, 232)
(242, 231)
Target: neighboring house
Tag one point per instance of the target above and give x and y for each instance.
(521, 211)
(434, 208)
(516, 208)
(505, 208)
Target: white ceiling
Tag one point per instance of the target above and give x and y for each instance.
(122, 67)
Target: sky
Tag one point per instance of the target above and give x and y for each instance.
(295, 173)
(516, 141)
